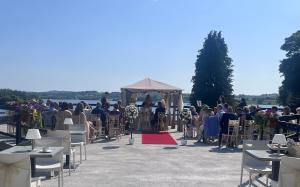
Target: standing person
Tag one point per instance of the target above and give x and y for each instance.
(287, 111)
(273, 121)
(221, 100)
(103, 117)
(61, 115)
(220, 111)
(158, 110)
(242, 103)
(253, 111)
(229, 115)
(104, 102)
(80, 118)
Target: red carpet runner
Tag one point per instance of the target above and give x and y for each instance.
(158, 138)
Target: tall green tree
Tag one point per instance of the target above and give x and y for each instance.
(213, 73)
(289, 91)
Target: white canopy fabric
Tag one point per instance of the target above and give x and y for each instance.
(173, 95)
(151, 85)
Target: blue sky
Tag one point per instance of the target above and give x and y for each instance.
(106, 44)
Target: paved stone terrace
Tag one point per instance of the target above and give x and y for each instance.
(118, 164)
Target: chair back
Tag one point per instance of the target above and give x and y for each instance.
(114, 120)
(289, 173)
(15, 170)
(248, 129)
(253, 145)
(63, 139)
(49, 119)
(211, 126)
(78, 137)
(233, 127)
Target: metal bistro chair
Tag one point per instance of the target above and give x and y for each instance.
(232, 134)
(253, 165)
(79, 140)
(51, 164)
(65, 136)
(114, 128)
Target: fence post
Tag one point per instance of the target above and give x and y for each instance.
(18, 128)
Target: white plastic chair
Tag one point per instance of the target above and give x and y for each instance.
(79, 140)
(253, 165)
(15, 170)
(289, 173)
(66, 137)
(51, 164)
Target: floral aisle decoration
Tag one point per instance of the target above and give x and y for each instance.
(131, 113)
(266, 120)
(185, 116)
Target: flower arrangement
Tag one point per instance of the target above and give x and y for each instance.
(131, 112)
(186, 114)
(30, 113)
(261, 118)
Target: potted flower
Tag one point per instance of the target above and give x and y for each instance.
(131, 113)
(185, 116)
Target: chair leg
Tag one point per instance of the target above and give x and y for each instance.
(80, 151)
(62, 176)
(69, 168)
(241, 179)
(59, 179)
(74, 160)
(84, 151)
(250, 179)
(267, 180)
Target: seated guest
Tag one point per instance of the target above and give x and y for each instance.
(246, 114)
(253, 111)
(220, 111)
(104, 102)
(158, 110)
(273, 121)
(61, 115)
(298, 111)
(70, 106)
(99, 112)
(225, 121)
(287, 111)
(53, 107)
(243, 103)
(115, 110)
(80, 118)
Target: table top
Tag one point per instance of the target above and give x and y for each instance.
(264, 155)
(35, 153)
(275, 147)
(77, 132)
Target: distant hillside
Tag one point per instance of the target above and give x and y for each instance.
(14, 95)
(7, 95)
(264, 99)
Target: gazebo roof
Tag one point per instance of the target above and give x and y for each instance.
(151, 85)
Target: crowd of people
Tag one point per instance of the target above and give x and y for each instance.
(224, 112)
(56, 113)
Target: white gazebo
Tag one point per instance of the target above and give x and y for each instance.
(173, 95)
